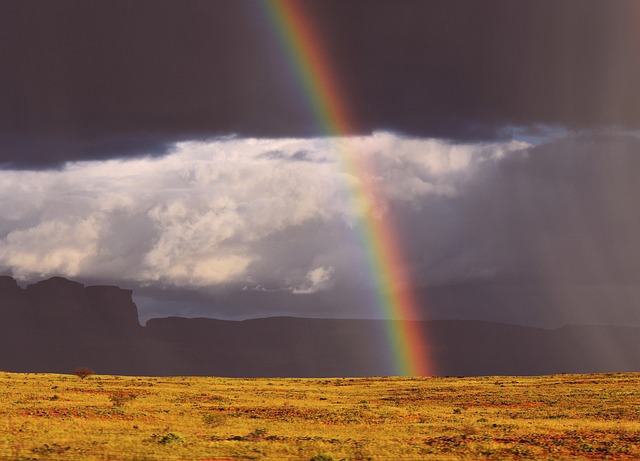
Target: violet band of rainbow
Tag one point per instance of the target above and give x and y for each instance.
(396, 297)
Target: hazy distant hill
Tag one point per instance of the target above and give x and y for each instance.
(56, 325)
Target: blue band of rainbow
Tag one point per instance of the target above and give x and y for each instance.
(396, 299)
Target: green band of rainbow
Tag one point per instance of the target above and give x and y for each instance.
(388, 271)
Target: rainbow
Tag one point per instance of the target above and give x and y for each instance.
(396, 300)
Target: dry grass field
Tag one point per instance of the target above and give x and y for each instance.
(63, 417)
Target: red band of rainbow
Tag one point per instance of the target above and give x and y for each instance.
(396, 298)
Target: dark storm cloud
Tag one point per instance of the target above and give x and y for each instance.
(564, 212)
(545, 236)
(84, 80)
(561, 212)
(465, 68)
(24, 152)
(107, 79)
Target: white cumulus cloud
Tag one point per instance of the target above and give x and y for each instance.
(255, 212)
(316, 279)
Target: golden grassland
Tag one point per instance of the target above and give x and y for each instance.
(63, 417)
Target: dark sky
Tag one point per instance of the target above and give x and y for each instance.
(166, 146)
(85, 80)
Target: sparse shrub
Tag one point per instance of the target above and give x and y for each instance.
(322, 457)
(213, 419)
(468, 430)
(213, 398)
(258, 433)
(83, 372)
(359, 454)
(47, 449)
(118, 399)
(171, 437)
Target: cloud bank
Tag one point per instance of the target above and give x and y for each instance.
(249, 226)
(258, 212)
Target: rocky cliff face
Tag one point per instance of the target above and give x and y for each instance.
(12, 302)
(59, 302)
(57, 325)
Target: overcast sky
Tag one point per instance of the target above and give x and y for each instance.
(165, 146)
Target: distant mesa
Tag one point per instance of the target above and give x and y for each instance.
(8, 283)
(63, 302)
(56, 325)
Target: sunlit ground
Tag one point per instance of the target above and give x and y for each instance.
(62, 417)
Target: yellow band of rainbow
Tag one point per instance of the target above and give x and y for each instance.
(396, 298)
